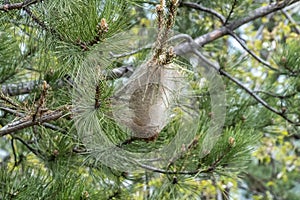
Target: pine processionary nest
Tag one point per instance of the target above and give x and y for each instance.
(143, 104)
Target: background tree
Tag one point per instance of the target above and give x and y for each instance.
(47, 45)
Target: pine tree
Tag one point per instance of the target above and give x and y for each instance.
(134, 99)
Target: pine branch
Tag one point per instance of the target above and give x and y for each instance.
(27, 87)
(42, 24)
(18, 6)
(208, 169)
(20, 114)
(183, 48)
(36, 19)
(102, 29)
(25, 6)
(255, 96)
(27, 121)
(209, 37)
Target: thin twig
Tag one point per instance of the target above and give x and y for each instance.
(260, 60)
(204, 9)
(11, 111)
(162, 171)
(146, 2)
(147, 47)
(40, 107)
(184, 151)
(34, 151)
(14, 152)
(276, 95)
(209, 169)
(257, 98)
(8, 100)
(292, 21)
(230, 12)
(42, 24)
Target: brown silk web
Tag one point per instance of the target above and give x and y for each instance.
(144, 103)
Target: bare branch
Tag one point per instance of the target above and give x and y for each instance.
(19, 88)
(215, 34)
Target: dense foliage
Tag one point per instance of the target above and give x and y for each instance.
(65, 65)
